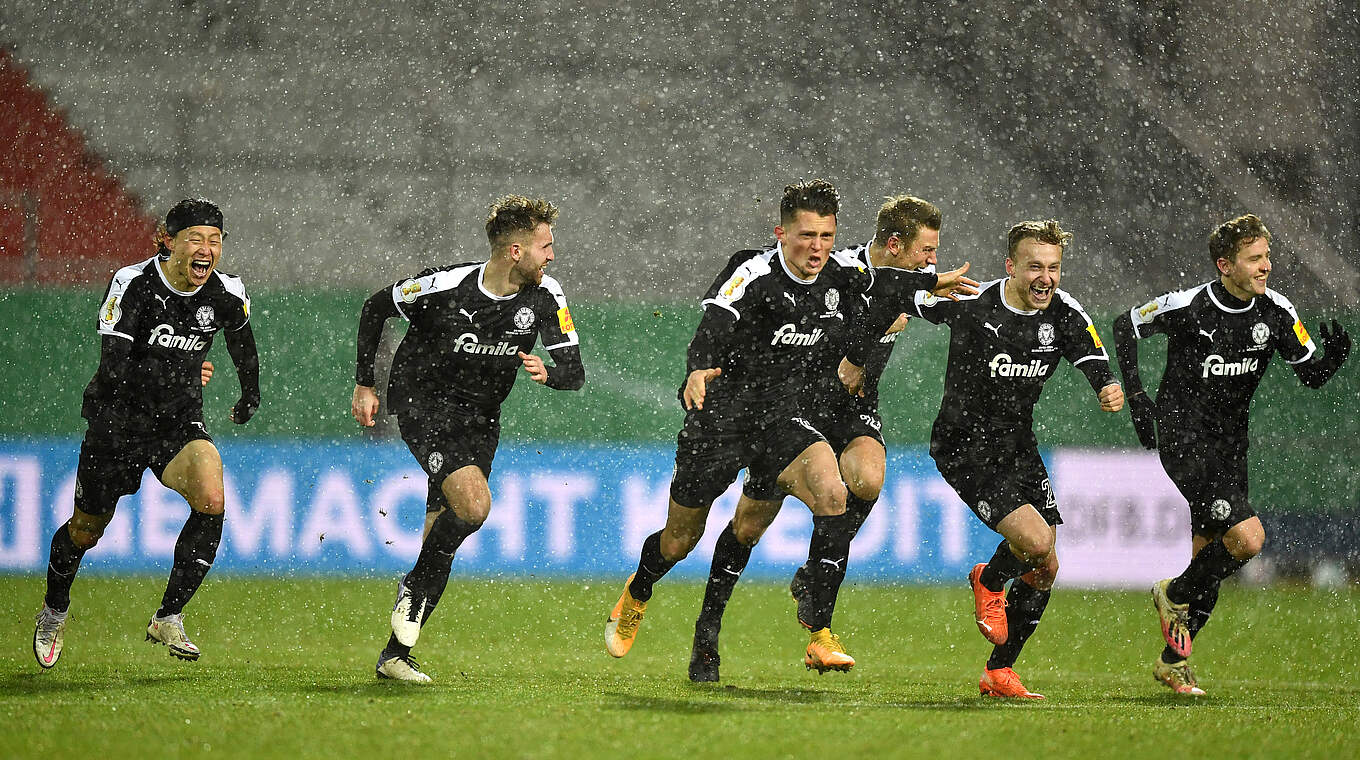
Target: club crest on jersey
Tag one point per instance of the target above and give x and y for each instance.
(205, 316)
(1046, 334)
(788, 335)
(524, 317)
(832, 299)
(164, 336)
(1002, 365)
(984, 510)
(469, 344)
(435, 461)
(1219, 367)
(1219, 509)
(409, 290)
(1260, 333)
(111, 312)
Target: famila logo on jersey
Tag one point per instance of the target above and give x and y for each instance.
(468, 344)
(1219, 367)
(788, 335)
(1002, 365)
(164, 336)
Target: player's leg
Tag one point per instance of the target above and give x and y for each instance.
(1026, 601)
(195, 473)
(707, 460)
(814, 478)
(1027, 542)
(730, 555)
(862, 464)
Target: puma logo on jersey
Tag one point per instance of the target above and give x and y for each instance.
(1002, 365)
(467, 314)
(789, 296)
(996, 329)
(468, 344)
(788, 335)
(1219, 367)
(165, 337)
(1208, 334)
(163, 299)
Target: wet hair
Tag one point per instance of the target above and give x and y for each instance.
(817, 196)
(1047, 231)
(903, 216)
(513, 215)
(193, 212)
(1229, 237)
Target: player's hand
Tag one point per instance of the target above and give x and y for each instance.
(852, 377)
(1111, 398)
(244, 409)
(534, 366)
(364, 405)
(1336, 341)
(206, 372)
(953, 284)
(1143, 410)
(897, 326)
(696, 387)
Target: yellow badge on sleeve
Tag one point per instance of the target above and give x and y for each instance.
(564, 320)
(1301, 333)
(1095, 336)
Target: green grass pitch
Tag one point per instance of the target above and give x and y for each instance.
(520, 671)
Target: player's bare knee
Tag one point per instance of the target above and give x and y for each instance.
(749, 531)
(209, 501)
(1043, 576)
(1033, 550)
(85, 531)
(866, 489)
(676, 545)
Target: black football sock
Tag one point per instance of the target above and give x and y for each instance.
(729, 560)
(1201, 607)
(430, 575)
(857, 510)
(1003, 566)
(651, 567)
(195, 551)
(1025, 604)
(1206, 571)
(63, 560)
(395, 648)
(827, 554)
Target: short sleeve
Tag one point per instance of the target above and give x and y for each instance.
(555, 326)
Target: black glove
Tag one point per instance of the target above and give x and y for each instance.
(1143, 410)
(244, 409)
(1336, 342)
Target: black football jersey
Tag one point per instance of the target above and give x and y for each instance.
(772, 328)
(462, 348)
(892, 292)
(170, 332)
(1217, 352)
(1000, 357)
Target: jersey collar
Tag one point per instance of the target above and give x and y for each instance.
(1001, 293)
(156, 262)
(481, 273)
(779, 254)
(1214, 296)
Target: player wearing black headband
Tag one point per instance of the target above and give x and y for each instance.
(145, 410)
(472, 328)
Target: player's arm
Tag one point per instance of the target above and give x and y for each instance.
(379, 308)
(1083, 348)
(567, 373)
(1336, 346)
(1142, 408)
(241, 347)
(703, 358)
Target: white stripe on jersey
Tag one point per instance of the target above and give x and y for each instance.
(417, 287)
(236, 287)
(732, 291)
(1075, 305)
(554, 288)
(1176, 299)
(110, 310)
(1285, 304)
